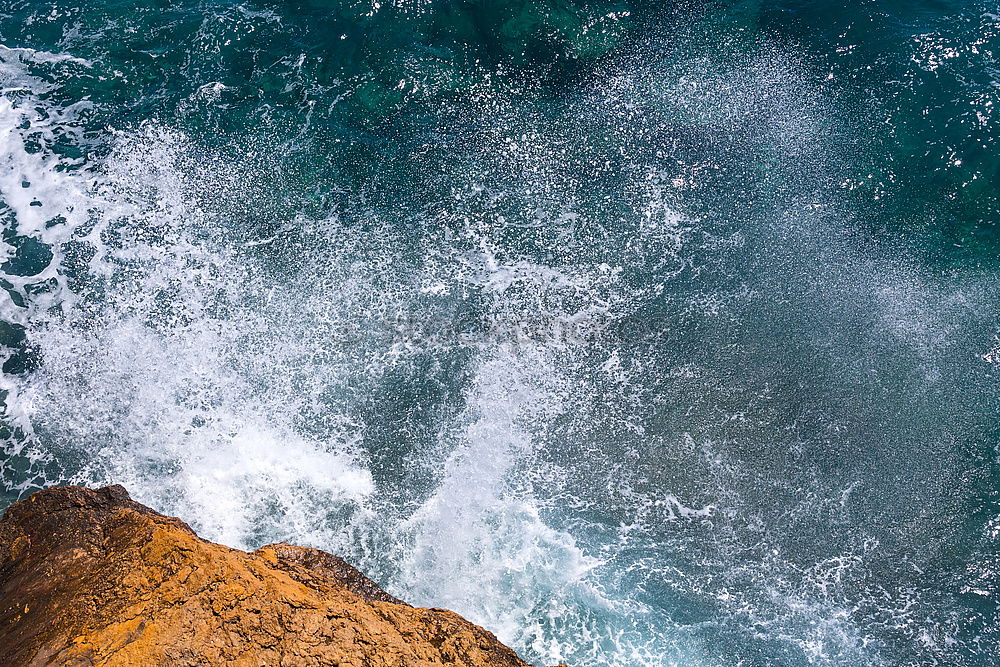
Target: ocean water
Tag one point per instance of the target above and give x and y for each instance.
(641, 333)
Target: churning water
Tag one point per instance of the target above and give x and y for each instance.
(641, 334)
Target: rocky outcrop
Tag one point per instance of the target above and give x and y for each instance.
(93, 578)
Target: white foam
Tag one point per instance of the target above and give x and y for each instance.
(140, 379)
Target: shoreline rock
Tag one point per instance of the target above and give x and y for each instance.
(91, 577)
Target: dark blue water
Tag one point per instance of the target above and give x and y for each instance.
(639, 333)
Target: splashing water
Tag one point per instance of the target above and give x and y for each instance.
(634, 334)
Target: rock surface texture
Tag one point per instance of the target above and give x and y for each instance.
(93, 578)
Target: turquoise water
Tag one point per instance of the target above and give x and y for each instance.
(640, 333)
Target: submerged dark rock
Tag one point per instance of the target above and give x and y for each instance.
(91, 577)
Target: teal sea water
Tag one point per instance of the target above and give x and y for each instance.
(641, 333)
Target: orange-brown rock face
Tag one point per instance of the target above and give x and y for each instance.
(94, 578)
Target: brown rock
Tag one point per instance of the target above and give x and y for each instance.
(93, 578)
